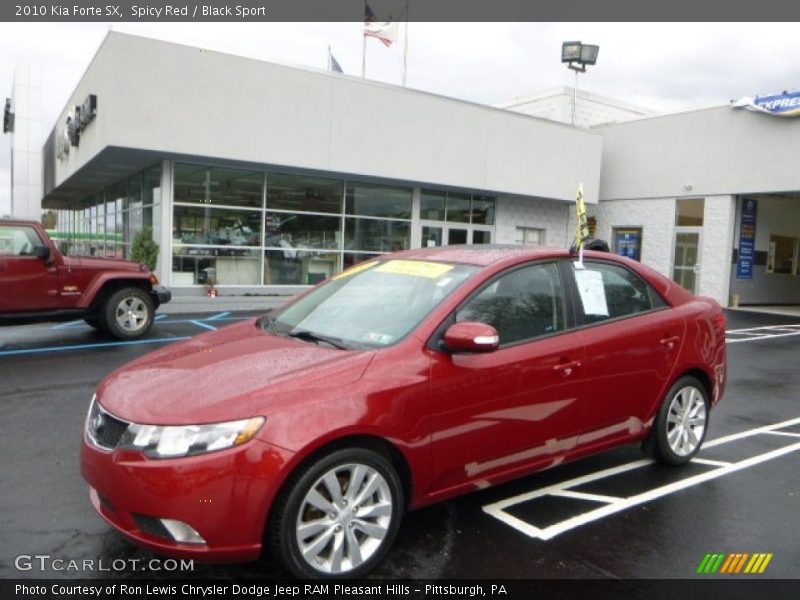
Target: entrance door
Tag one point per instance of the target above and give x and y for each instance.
(686, 264)
(441, 234)
(456, 235)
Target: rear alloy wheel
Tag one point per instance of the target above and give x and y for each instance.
(340, 517)
(681, 424)
(128, 313)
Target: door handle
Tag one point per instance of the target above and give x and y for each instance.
(565, 368)
(670, 342)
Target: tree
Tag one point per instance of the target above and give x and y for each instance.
(144, 249)
(49, 219)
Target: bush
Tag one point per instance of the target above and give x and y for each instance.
(144, 249)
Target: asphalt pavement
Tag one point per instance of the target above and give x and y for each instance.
(608, 516)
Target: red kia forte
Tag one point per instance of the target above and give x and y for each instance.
(401, 382)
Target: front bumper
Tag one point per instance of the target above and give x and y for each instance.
(225, 496)
(161, 295)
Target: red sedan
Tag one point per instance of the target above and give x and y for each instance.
(401, 382)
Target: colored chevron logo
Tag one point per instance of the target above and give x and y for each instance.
(734, 564)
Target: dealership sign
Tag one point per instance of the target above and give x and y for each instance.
(747, 239)
(786, 104)
(77, 120)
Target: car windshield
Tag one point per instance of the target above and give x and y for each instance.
(371, 305)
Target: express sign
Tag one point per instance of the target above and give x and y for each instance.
(786, 104)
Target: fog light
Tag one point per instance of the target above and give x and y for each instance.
(182, 532)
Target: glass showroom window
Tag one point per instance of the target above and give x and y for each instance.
(456, 207)
(212, 266)
(199, 184)
(460, 218)
(301, 193)
(302, 229)
(104, 223)
(378, 220)
(217, 225)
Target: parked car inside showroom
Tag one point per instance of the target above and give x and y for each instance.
(403, 381)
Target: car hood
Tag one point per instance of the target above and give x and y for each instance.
(234, 373)
(101, 264)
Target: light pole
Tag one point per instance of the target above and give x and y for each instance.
(578, 56)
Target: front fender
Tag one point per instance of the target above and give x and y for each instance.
(99, 282)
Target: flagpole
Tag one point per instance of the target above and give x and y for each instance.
(364, 47)
(405, 50)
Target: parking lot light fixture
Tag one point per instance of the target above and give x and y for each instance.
(578, 56)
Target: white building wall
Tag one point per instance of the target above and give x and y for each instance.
(203, 104)
(26, 143)
(656, 217)
(591, 109)
(531, 212)
(715, 255)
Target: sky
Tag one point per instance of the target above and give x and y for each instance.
(666, 67)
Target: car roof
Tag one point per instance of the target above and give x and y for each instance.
(7, 221)
(481, 255)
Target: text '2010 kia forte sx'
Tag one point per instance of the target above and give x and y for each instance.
(400, 382)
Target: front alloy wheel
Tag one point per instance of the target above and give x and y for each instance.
(340, 516)
(127, 313)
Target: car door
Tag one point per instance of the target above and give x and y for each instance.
(632, 339)
(27, 282)
(505, 410)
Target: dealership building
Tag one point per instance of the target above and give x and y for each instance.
(258, 177)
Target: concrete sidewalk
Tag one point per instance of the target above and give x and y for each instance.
(181, 303)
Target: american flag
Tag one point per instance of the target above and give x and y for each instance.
(385, 31)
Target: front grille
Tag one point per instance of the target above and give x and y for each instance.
(104, 429)
(151, 526)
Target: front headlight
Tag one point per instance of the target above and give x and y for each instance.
(169, 441)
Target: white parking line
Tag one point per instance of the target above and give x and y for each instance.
(790, 326)
(614, 505)
(748, 334)
(761, 337)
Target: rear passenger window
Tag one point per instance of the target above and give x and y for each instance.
(522, 304)
(609, 291)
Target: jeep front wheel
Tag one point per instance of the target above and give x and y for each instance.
(127, 313)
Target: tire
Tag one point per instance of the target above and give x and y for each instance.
(681, 424)
(127, 313)
(315, 512)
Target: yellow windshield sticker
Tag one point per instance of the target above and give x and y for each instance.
(356, 269)
(416, 268)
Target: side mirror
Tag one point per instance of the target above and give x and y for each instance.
(471, 336)
(42, 252)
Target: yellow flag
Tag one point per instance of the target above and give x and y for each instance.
(582, 231)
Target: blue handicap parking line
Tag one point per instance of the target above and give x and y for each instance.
(69, 324)
(90, 346)
(217, 317)
(204, 324)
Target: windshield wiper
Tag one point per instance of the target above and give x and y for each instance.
(267, 322)
(310, 336)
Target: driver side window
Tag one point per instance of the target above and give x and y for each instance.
(522, 304)
(18, 240)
